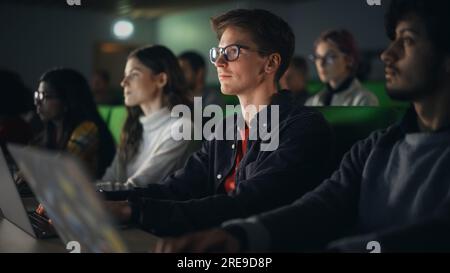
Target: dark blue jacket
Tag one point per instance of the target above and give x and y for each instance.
(194, 197)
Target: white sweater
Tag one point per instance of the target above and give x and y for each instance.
(354, 95)
(158, 156)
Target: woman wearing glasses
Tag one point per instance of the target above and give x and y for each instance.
(153, 84)
(65, 104)
(71, 122)
(336, 60)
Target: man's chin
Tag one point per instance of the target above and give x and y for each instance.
(227, 91)
(128, 102)
(403, 94)
(400, 95)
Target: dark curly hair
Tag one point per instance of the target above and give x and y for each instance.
(435, 14)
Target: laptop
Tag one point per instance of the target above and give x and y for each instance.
(15, 210)
(60, 182)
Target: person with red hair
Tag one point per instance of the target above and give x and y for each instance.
(336, 58)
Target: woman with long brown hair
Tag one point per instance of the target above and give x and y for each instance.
(153, 84)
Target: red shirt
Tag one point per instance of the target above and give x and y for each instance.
(230, 181)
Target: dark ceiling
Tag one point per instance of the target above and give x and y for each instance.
(135, 8)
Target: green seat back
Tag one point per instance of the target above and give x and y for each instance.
(105, 112)
(376, 87)
(351, 124)
(116, 121)
(379, 89)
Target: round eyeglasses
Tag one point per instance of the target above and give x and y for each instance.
(40, 96)
(230, 52)
(328, 59)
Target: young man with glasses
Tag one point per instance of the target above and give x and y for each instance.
(236, 177)
(392, 190)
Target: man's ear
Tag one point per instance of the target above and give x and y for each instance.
(162, 79)
(273, 63)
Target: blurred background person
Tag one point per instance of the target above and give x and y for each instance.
(296, 78)
(194, 69)
(336, 58)
(16, 109)
(102, 91)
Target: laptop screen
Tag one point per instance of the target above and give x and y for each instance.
(11, 203)
(67, 193)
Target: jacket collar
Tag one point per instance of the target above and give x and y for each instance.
(282, 100)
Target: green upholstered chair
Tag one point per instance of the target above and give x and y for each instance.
(376, 87)
(105, 112)
(351, 124)
(379, 89)
(116, 121)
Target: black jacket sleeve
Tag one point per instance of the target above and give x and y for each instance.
(428, 235)
(324, 214)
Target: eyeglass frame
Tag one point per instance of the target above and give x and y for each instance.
(41, 96)
(222, 51)
(329, 58)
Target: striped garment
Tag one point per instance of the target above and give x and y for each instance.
(84, 143)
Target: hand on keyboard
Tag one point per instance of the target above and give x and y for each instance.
(41, 211)
(121, 210)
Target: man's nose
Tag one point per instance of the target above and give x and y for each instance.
(389, 55)
(220, 61)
